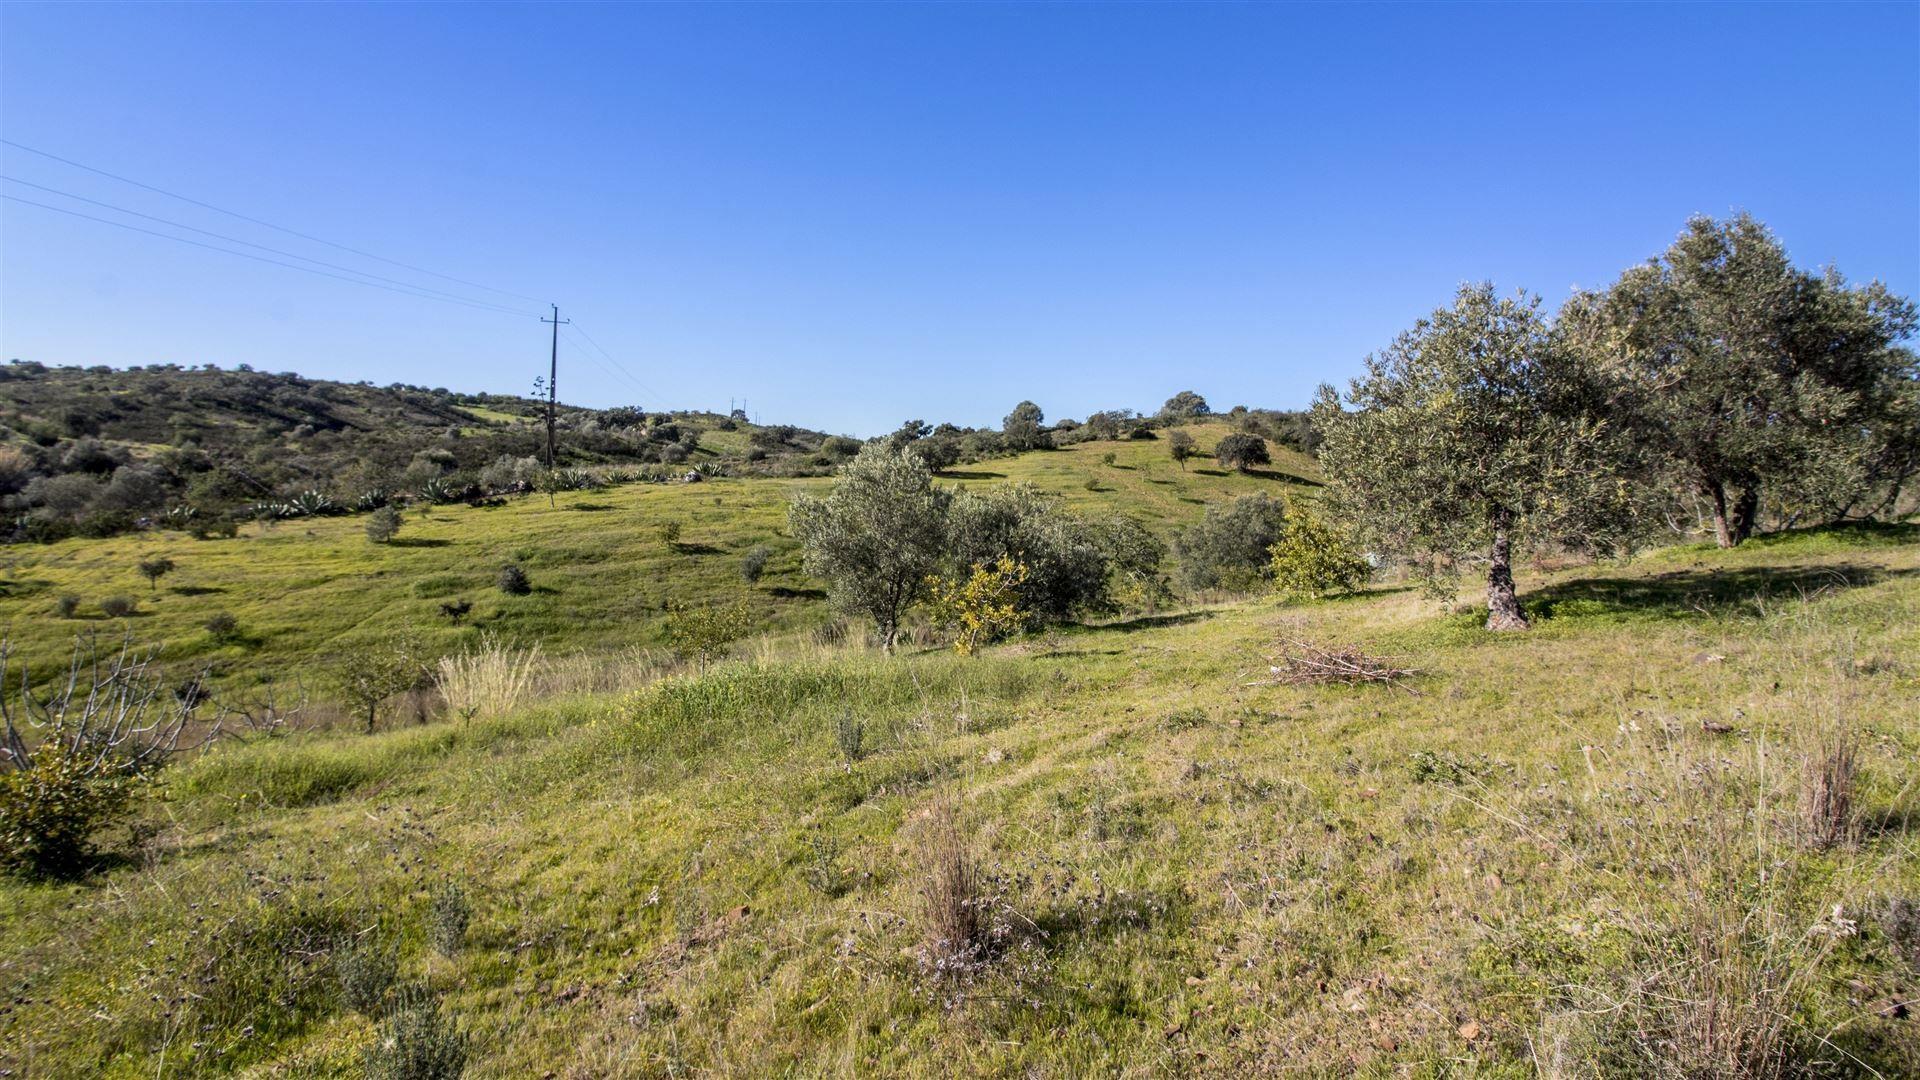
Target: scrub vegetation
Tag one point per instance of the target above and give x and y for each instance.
(1051, 750)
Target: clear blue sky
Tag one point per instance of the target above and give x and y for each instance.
(860, 213)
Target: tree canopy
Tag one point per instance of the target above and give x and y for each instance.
(876, 536)
(1471, 432)
(1748, 374)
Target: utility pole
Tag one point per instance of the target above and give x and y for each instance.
(553, 376)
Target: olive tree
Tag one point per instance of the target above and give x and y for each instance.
(1746, 373)
(1472, 432)
(876, 536)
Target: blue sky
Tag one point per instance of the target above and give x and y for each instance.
(855, 214)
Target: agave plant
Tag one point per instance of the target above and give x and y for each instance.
(311, 503)
(372, 499)
(440, 490)
(182, 516)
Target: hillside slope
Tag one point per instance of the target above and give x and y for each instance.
(602, 570)
(1576, 850)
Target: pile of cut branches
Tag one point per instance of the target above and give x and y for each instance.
(1303, 662)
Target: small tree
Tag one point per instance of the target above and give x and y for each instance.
(383, 524)
(982, 608)
(1180, 447)
(1313, 559)
(876, 536)
(701, 633)
(1473, 430)
(754, 564)
(1022, 427)
(369, 675)
(1241, 451)
(154, 569)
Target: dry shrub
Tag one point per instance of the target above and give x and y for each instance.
(1730, 939)
(1827, 787)
(955, 906)
(488, 680)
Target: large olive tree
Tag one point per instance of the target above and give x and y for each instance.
(1746, 373)
(876, 536)
(1473, 432)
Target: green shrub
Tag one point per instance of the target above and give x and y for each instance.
(851, 736)
(1230, 547)
(417, 1043)
(513, 580)
(119, 607)
(67, 606)
(365, 969)
(51, 809)
(222, 626)
(447, 918)
(100, 735)
(1312, 559)
(701, 633)
(754, 564)
(1241, 451)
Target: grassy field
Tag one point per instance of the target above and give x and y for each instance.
(603, 572)
(1576, 851)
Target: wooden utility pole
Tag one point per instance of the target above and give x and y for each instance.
(553, 377)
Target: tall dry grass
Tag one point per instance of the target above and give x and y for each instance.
(489, 679)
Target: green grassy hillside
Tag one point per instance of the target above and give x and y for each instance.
(602, 571)
(1579, 850)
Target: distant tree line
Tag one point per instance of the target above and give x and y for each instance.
(97, 451)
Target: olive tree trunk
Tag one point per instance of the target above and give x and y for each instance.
(1746, 514)
(1716, 493)
(1503, 607)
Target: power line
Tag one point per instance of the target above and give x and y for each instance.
(267, 224)
(635, 380)
(645, 393)
(261, 247)
(407, 291)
